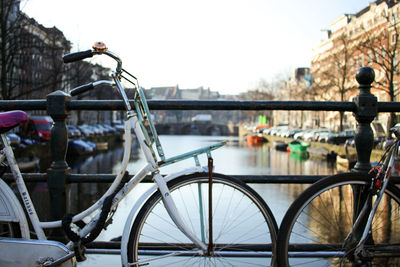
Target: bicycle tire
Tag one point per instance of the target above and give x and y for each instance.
(319, 220)
(10, 229)
(257, 235)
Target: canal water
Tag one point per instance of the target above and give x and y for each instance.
(235, 158)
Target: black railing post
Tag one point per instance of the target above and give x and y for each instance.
(59, 170)
(366, 111)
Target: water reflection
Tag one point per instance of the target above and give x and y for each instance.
(328, 218)
(234, 158)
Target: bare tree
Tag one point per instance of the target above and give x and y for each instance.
(333, 76)
(10, 26)
(79, 73)
(39, 62)
(382, 47)
(30, 55)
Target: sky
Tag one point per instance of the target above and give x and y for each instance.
(225, 45)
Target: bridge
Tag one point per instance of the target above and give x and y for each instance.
(197, 128)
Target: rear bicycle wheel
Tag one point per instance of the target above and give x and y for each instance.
(315, 226)
(244, 229)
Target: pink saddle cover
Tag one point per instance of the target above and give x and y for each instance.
(11, 119)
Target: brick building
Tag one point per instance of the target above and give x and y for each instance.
(367, 38)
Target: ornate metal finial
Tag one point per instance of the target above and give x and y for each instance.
(365, 76)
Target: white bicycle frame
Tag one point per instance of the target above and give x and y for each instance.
(152, 166)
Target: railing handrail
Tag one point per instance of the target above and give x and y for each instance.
(59, 104)
(109, 178)
(40, 104)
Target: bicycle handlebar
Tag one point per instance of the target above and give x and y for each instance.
(87, 87)
(81, 89)
(76, 56)
(98, 49)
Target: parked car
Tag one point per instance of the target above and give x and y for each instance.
(37, 127)
(300, 135)
(119, 127)
(310, 135)
(292, 132)
(102, 129)
(341, 137)
(86, 131)
(324, 137)
(267, 131)
(320, 132)
(73, 131)
(97, 131)
(110, 129)
(278, 130)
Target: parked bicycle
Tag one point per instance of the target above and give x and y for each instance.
(192, 217)
(348, 219)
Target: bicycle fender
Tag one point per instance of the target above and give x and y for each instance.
(11, 210)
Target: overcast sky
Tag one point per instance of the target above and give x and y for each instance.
(227, 45)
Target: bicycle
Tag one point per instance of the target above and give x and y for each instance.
(348, 219)
(190, 217)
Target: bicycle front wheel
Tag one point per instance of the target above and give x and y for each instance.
(315, 226)
(244, 230)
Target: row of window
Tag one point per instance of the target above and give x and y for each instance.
(375, 56)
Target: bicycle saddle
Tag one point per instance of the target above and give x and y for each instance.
(11, 119)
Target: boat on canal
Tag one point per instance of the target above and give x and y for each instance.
(279, 145)
(297, 146)
(255, 139)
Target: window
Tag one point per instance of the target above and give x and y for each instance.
(370, 60)
(376, 55)
(393, 38)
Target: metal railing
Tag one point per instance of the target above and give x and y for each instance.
(59, 104)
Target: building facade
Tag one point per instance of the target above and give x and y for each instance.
(367, 38)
